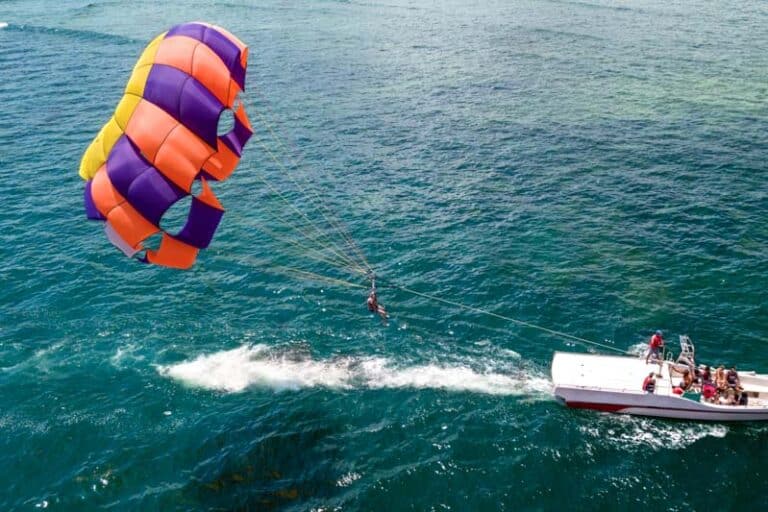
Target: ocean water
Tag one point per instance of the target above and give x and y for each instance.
(597, 168)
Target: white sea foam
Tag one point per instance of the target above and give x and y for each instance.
(348, 479)
(255, 366)
(643, 433)
(240, 368)
(128, 352)
(3, 24)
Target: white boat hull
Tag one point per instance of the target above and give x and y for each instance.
(613, 384)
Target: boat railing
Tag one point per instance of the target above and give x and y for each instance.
(687, 351)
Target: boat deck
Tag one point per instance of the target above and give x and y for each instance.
(624, 374)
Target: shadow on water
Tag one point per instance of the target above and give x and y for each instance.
(254, 469)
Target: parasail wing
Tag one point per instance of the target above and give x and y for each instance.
(163, 136)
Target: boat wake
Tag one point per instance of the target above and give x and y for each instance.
(258, 366)
(632, 432)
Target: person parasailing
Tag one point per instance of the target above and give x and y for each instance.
(373, 302)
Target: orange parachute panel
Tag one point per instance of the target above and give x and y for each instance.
(104, 195)
(130, 224)
(173, 253)
(149, 127)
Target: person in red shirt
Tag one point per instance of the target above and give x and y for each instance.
(656, 344)
(649, 384)
(709, 391)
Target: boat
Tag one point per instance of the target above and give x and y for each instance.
(615, 384)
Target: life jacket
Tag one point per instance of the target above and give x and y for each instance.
(649, 385)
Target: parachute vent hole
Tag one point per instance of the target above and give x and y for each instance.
(176, 217)
(226, 122)
(153, 242)
(197, 188)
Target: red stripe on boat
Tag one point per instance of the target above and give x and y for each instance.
(599, 407)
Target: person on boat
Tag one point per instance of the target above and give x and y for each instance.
(701, 376)
(705, 375)
(687, 381)
(732, 378)
(656, 344)
(649, 383)
(721, 383)
(709, 391)
(743, 399)
(728, 397)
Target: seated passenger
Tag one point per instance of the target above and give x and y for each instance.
(732, 378)
(720, 381)
(709, 392)
(743, 400)
(687, 381)
(705, 375)
(649, 384)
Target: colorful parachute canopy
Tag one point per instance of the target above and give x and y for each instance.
(163, 136)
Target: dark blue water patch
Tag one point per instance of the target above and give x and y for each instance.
(255, 466)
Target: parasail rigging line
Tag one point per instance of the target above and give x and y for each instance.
(325, 211)
(330, 245)
(297, 248)
(340, 282)
(310, 252)
(334, 257)
(346, 237)
(504, 317)
(315, 276)
(322, 208)
(352, 259)
(332, 219)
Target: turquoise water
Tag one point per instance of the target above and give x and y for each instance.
(598, 168)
